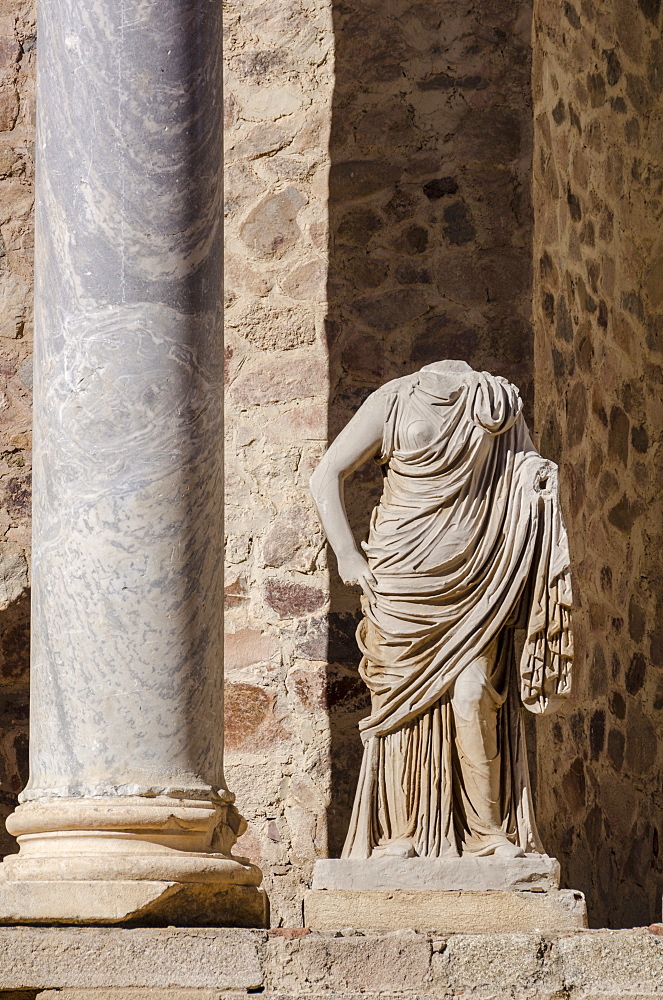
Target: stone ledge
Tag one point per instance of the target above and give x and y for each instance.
(135, 902)
(137, 994)
(535, 871)
(88, 957)
(167, 994)
(229, 964)
(157, 993)
(447, 912)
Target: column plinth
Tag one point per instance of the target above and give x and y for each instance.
(127, 808)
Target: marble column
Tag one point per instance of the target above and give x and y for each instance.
(127, 800)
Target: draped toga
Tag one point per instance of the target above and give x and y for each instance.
(466, 544)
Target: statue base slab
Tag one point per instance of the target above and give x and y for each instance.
(534, 871)
(132, 902)
(446, 912)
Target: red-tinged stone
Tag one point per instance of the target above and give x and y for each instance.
(273, 832)
(246, 647)
(247, 709)
(15, 631)
(8, 108)
(235, 592)
(346, 692)
(307, 282)
(271, 228)
(304, 422)
(292, 600)
(10, 51)
(249, 845)
(364, 354)
(310, 687)
(266, 381)
(230, 111)
(16, 495)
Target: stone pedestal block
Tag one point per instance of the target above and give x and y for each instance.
(463, 912)
(535, 871)
(447, 895)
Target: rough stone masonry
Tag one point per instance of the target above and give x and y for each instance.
(378, 218)
(209, 964)
(598, 308)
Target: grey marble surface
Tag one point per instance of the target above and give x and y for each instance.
(126, 659)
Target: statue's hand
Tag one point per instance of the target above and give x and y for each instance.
(354, 569)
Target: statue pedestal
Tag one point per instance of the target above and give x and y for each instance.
(446, 895)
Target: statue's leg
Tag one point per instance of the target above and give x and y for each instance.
(475, 706)
(413, 807)
(396, 820)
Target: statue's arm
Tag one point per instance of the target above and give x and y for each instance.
(359, 440)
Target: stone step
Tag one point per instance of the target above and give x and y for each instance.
(293, 964)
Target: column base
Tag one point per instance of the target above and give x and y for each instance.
(128, 860)
(132, 903)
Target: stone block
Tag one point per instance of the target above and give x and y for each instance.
(536, 871)
(498, 965)
(135, 994)
(379, 963)
(118, 958)
(153, 903)
(624, 964)
(446, 912)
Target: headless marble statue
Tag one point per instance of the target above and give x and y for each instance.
(466, 545)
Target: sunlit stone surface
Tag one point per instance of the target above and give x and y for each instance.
(126, 771)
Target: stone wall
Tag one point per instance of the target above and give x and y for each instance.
(105, 963)
(17, 65)
(378, 218)
(598, 308)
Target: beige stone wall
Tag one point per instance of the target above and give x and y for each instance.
(378, 218)
(598, 309)
(279, 85)
(17, 64)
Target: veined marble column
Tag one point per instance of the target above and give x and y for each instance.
(126, 799)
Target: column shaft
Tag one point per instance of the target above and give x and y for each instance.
(127, 689)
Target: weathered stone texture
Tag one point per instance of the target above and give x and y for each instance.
(17, 68)
(463, 911)
(598, 309)
(98, 964)
(278, 94)
(377, 218)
